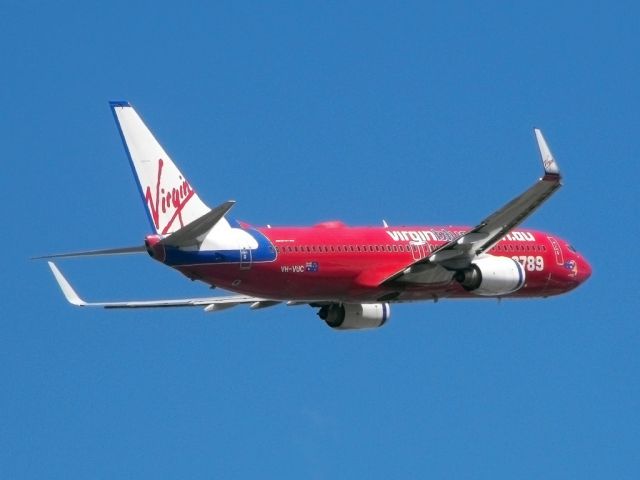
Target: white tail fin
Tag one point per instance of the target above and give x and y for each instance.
(170, 201)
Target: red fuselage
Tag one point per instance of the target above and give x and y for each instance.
(352, 264)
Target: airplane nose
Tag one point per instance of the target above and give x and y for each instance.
(584, 271)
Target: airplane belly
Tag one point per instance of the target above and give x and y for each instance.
(289, 282)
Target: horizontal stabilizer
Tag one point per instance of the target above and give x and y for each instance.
(188, 235)
(97, 253)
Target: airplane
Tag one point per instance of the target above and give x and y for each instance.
(350, 274)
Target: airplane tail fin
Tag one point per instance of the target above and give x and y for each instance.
(169, 199)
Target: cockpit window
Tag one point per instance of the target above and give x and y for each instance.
(572, 248)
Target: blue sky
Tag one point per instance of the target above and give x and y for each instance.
(358, 111)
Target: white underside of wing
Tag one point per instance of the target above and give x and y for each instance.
(211, 304)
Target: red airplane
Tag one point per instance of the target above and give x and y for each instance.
(351, 274)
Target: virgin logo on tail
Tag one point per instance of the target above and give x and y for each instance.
(167, 200)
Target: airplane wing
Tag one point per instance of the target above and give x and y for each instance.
(460, 252)
(210, 304)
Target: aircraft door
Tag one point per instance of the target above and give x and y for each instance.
(557, 250)
(245, 258)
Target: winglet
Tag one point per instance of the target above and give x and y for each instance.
(119, 103)
(548, 162)
(65, 286)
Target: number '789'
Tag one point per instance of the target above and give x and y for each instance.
(530, 263)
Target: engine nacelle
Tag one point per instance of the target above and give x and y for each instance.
(492, 276)
(351, 316)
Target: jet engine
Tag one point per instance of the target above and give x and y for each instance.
(492, 276)
(349, 316)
